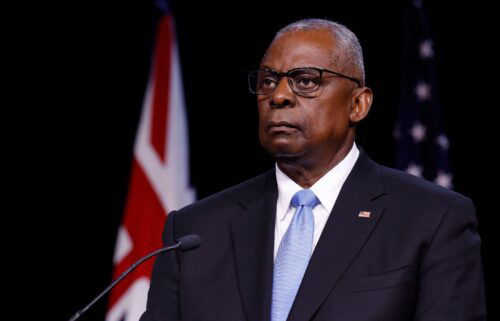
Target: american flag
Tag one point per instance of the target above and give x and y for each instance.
(160, 173)
(421, 143)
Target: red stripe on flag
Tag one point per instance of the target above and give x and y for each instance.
(161, 86)
(144, 220)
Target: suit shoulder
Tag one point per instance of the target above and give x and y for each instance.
(423, 204)
(403, 184)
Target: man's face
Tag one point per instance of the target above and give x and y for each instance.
(291, 125)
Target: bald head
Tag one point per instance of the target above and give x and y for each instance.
(347, 55)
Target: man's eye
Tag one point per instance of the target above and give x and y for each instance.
(267, 82)
(306, 82)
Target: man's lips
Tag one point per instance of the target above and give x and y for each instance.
(281, 125)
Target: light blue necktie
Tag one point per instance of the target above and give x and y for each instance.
(293, 255)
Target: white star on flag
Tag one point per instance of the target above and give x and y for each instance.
(414, 169)
(444, 179)
(418, 132)
(442, 141)
(423, 91)
(426, 50)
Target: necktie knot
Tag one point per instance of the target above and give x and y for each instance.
(305, 197)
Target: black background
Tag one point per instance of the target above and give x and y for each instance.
(90, 64)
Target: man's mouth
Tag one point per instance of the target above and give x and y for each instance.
(281, 125)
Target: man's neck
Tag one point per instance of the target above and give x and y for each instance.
(305, 171)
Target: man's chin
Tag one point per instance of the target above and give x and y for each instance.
(284, 152)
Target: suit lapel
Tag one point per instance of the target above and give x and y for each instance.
(344, 235)
(253, 244)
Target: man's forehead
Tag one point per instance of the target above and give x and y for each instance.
(301, 48)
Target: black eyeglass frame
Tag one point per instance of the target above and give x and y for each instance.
(283, 74)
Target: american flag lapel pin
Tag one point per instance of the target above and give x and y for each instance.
(364, 214)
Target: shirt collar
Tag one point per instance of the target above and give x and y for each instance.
(331, 183)
(328, 185)
(286, 189)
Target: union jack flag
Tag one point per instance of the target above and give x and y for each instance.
(160, 175)
(421, 143)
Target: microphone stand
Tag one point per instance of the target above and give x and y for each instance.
(115, 282)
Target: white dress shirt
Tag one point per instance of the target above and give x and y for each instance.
(327, 189)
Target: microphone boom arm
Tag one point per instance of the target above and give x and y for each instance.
(185, 243)
(115, 282)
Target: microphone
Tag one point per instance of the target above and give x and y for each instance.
(184, 243)
(189, 242)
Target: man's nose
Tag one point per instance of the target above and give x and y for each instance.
(282, 96)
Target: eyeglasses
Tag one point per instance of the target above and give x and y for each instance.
(301, 80)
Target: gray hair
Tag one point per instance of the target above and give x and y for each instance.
(350, 54)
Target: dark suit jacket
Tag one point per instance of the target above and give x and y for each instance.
(417, 257)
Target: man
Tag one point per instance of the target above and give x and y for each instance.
(328, 234)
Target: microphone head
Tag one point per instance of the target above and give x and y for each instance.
(189, 242)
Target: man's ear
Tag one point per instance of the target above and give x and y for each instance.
(362, 101)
